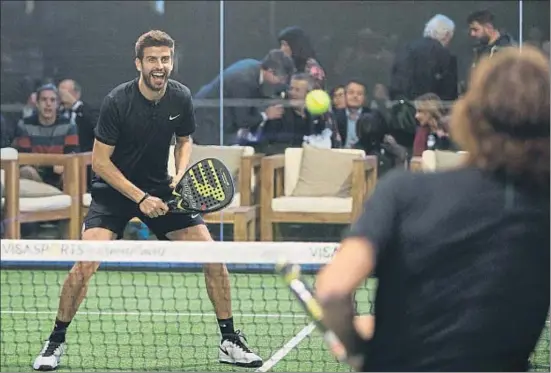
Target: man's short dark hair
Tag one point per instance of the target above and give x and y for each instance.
(153, 38)
(484, 17)
(279, 63)
(45, 87)
(356, 81)
(304, 77)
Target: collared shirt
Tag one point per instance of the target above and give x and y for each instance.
(351, 135)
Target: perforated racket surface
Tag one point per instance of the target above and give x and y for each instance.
(207, 186)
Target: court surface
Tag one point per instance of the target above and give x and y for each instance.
(163, 321)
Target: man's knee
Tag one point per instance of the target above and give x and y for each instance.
(82, 272)
(198, 232)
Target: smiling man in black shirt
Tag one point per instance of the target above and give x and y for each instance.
(137, 122)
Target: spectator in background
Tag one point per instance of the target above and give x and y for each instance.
(296, 44)
(489, 39)
(73, 108)
(433, 131)
(77, 111)
(347, 118)
(426, 65)
(7, 134)
(381, 101)
(245, 79)
(48, 133)
(30, 106)
(295, 123)
(338, 101)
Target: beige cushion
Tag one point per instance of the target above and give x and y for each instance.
(312, 204)
(325, 173)
(434, 160)
(35, 189)
(43, 203)
(229, 155)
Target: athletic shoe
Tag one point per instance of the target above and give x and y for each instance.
(49, 357)
(234, 350)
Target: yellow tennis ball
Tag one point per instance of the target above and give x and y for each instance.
(317, 102)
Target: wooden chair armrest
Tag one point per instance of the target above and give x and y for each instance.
(85, 160)
(11, 196)
(250, 166)
(416, 164)
(364, 179)
(71, 178)
(268, 189)
(37, 159)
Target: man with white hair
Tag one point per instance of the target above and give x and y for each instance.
(422, 66)
(426, 65)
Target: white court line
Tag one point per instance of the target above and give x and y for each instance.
(167, 314)
(287, 347)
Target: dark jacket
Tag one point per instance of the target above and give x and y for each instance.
(86, 119)
(342, 122)
(289, 131)
(241, 81)
(504, 40)
(423, 66)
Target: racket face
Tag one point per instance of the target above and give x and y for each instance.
(206, 186)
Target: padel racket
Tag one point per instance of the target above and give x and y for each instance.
(291, 274)
(206, 187)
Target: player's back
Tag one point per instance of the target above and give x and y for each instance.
(464, 284)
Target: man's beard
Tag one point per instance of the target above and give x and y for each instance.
(147, 80)
(485, 40)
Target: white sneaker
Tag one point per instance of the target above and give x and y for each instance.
(49, 357)
(234, 350)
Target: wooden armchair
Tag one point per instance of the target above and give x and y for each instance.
(280, 175)
(21, 208)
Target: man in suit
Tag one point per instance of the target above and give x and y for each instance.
(347, 118)
(245, 79)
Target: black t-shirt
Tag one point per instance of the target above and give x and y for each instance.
(141, 132)
(462, 259)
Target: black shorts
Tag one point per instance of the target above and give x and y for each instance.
(112, 211)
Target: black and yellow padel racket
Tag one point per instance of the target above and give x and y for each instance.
(206, 187)
(304, 294)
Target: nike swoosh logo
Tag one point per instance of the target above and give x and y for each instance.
(224, 350)
(193, 216)
(172, 118)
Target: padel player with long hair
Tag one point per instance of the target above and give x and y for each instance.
(462, 256)
(137, 122)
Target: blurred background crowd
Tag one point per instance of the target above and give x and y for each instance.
(392, 68)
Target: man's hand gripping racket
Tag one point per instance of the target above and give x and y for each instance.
(351, 354)
(206, 187)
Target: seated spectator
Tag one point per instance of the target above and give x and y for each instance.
(347, 118)
(432, 133)
(7, 132)
(48, 133)
(337, 98)
(73, 108)
(375, 139)
(295, 123)
(79, 112)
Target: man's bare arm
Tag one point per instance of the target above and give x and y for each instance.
(104, 167)
(182, 154)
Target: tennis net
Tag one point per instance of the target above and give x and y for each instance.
(147, 309)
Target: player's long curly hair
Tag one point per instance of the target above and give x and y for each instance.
(503, 120)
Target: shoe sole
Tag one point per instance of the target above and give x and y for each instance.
(254, 364)
(45, 368)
